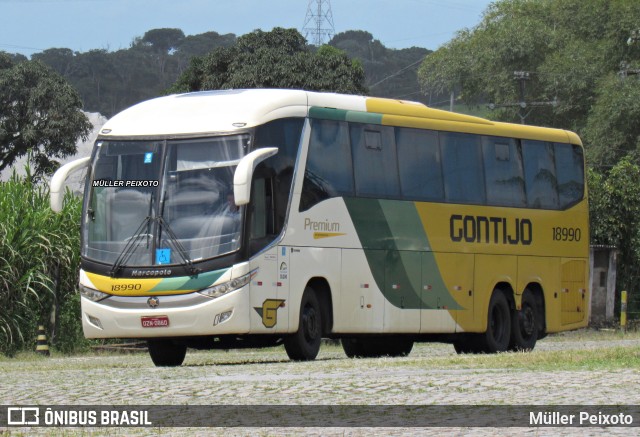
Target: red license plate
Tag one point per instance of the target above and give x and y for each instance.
(154, 321)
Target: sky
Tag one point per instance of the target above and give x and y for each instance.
(31, 26)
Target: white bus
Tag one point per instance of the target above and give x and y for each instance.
(249, 218)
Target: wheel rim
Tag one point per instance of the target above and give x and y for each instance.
(310, 324)
(527, 321)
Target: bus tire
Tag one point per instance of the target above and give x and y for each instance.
(467, 344)
(524, 324)
(399, 347)
(498, 333)
(374, 347)
(166, 352)
(353, 347)
(304, 345)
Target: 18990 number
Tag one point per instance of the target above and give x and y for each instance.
(566, 234)
(126, 287)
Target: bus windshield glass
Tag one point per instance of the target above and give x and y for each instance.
(163, 202)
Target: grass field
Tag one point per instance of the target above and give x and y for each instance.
(575, 350)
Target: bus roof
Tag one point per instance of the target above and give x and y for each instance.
(207, 112)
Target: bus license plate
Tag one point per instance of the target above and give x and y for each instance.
(154, 321)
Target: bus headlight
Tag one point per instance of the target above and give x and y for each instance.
(228, 287)
(92, 294)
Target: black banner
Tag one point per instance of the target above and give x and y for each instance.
(320, 415)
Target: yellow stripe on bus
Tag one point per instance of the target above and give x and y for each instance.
(123, 286)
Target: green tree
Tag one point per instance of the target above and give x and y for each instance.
(612, 128)
(200, 45)
(163, 40)
(568, 46)
(61, 60)
(389, 72)
(276, 59)
(615, 217)
(40, 115)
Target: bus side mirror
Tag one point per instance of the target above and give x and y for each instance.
(56, 186)
(244, 173)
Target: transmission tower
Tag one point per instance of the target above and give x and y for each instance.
(318, 23)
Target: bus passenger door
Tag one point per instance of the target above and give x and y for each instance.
(268, 296)
(269, 293)
(282, 284)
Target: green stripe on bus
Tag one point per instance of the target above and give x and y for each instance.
(197, 282)
(398, 253)
(344, 115)
(364, 117)
(328, 113)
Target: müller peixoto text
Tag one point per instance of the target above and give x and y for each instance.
(127, 183)
(581, 418)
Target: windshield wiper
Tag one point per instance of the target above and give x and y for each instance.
(132, 244)
(187, 263)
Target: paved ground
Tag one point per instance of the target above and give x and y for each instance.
(431, 375)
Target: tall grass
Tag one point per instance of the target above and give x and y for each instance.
(39, 258)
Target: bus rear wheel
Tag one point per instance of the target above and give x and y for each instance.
(304, 345)
(390, 346)
(498, 334)
(467, 344)
(524, 324)
(166, 352)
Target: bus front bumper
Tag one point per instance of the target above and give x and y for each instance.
(166, 316)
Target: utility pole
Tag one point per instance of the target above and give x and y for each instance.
(522, 77)
(625, 67)
(318, 26)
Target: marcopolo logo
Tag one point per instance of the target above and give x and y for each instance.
(496, 230)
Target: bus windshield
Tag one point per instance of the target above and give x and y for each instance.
(163, 202)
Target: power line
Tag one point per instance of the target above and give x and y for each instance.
(12, 46)
(522, 77)
(398, 72)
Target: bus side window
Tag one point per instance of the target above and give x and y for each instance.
(503, 172)
(462, 167)
(540, 174)
(278, 170)
(375, 163)
(570, 170)
(261, 224)
(419, 164)
(328, 172)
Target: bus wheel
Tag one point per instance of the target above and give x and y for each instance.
(467, 344)
(524, 324)
(353, 347)
(304, 345)
(166, 352)
(398, 347)
(373, 347)
(498, 334)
